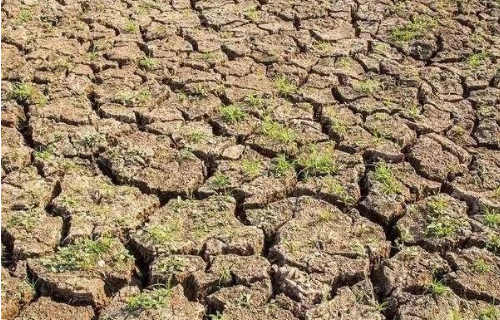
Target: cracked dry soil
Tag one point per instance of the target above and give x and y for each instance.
(250, 159)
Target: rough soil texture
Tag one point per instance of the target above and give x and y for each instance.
(250, 159)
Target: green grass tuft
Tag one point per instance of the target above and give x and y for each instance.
(277, 131)
(150, 299)
(232, 113)
(285, 86)
(316, 162)
(385, 176)
(280, 165)
(416, 29)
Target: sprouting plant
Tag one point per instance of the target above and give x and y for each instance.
(480, 266)
(251, 167)
(163, 233)
(26, 93)
(317, 162)
(185, 154)
(131, 27)
(413, 111)
(491, 217)
(326, 215)
(496, 192)
(225, 276)
(385, 176)
(437, 288)
(323, 45)
(147, 63)
(368, 86)
(26, 221)
(415, 29)
(216, 316)
(489, 313)
(44, 152)
(380, 306)
(285, 86)
(232, 113)
(251, 14)
(220, 180)
(440, 228)
(277, 131)
(437, 205)
(280, 165)
(24, 16)
(245, 300)
(493, 243)
(85, 255)
(195, 136)
(150, 299)
(333, 186)
(476, 60)
(254, 100)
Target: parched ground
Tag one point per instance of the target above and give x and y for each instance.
(250, 159)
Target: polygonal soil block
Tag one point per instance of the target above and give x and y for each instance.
(30, 233)
(207, 227)
(154, 303)
(97, 207)
(154, 167)
(47, 309)
(251, 177)
(437, 223)
(83, 272)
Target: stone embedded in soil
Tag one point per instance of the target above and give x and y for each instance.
(411, 270)
(208, 227)
(356, 302)
(45, 309)
(438, 158)
(25, 189)
(15, 294)
(83, 272)
(251, 177)
(155, 167)
(15, 153)
(339, 181)
(339, 247)
(390, 187)
(476, 274)
(30, 233)
(437, 223)
(480, 186)
(98, 207)
(131, 304)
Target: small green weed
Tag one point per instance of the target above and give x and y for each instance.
(285, 86)
(416, 29)
(491, 217)
(368, 86)
(280, 165)
(251, 14)
(26, 93)
(385, 176)
(131, 27)
(147, 63)
(317, 162)
(251, 167)
(220, 180)
(438, 288)
(489, 313)
(477, 60)
(232, 113)
(480, 266)
(277, 131)
(150, 299)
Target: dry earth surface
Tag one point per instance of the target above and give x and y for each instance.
(250, 159)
